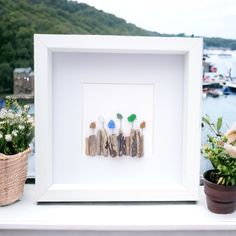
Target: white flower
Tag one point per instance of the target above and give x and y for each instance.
(14, 132)
(230, 149)
(10, 115)
(18, 115)
(21, 127)
(3, 113)
(26, 107)
(8, 137)
(1, 136)
(30, 119)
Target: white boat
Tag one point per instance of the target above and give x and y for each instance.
(232, 86)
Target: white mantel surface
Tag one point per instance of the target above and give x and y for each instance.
(119, 217)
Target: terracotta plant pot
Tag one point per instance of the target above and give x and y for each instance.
(220, 199)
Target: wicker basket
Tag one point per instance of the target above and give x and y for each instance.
(13, 173)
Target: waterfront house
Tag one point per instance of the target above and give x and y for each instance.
(23, 81)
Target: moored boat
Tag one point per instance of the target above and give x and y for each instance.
(232, 86)
(226, 90)
(214, 93)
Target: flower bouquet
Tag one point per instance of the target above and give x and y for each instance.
(16, 133)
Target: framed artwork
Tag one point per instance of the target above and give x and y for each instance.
(92, 92)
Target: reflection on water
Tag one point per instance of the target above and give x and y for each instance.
(224, 106)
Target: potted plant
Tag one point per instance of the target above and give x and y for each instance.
(220, 183)
(16, 133)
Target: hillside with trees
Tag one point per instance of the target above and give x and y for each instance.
(20, 19)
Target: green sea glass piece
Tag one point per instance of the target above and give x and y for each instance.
(119, 116)
(132, 118)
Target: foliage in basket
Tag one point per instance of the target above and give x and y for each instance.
(221, 151)
(16, 127)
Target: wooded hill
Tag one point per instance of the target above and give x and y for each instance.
(20, 19)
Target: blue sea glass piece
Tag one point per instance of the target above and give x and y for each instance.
(111, 124)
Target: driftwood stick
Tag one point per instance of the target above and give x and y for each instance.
(99, 142)
(142, 139)
(133, 143)
(92, 145)
(104, 142)
(87, 147)
(121, 143)
(113, 147)
(139, 139)
(127, 145)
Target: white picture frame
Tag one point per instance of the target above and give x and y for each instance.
(74, 57)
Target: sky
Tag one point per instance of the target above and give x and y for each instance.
(213, 18)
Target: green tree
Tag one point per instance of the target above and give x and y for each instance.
(5, 79)
(21, 19)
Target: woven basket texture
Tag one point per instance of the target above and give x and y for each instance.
(13, 173)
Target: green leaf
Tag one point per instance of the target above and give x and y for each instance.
(206, 119)
(219, 124)
(119, 116)
(233, 181)
(132, 118)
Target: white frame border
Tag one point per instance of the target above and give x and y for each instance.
(191, 48)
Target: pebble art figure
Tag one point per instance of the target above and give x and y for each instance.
(104, 144)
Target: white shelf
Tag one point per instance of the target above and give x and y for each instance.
(27, 215)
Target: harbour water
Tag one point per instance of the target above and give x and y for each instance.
(222, 106)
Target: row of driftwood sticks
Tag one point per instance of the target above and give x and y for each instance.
(114, 145)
